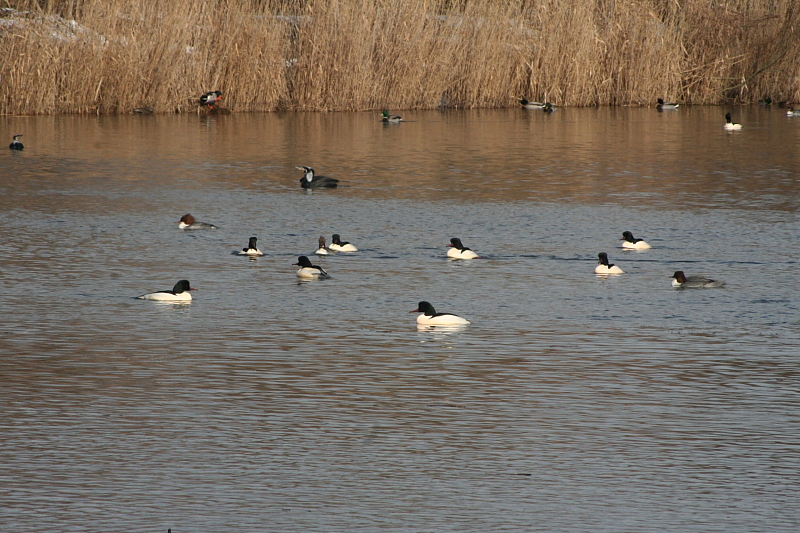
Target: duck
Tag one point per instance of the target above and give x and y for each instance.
(386, 117)
(15, 144)
(531, 105)
(252, 248)
(323, 247)
(668, 106)
(179, 293)
(310, 181)
(210, 98)
(459, 251)
(694, 282)
(146, 110)
(337, 245)
(188, 222)
(603, 267)
(309, 271)
(430, 317)
(631, 243)
(790, 112)
(765, 101)
(548, 107)
(730, 125)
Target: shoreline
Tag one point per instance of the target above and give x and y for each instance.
(93, 57)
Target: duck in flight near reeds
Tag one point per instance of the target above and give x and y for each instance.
(668, 106)
(386, 117)
(310, 181)
(15, 144)
(730, 125)
(210, 98)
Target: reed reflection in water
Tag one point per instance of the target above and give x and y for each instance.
(571, 403)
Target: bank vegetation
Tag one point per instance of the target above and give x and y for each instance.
(110, 56)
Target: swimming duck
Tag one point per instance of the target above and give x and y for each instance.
(323, 248)
(310, 181)
(309, 271)
(548, 107)
(790, 112)
(765, 101)
(459, 251)
(386, 117)
(188, 222)
(430, 317)
(669, 106)
(179, 293)
(15, 144)
(210, 99)
(603, 267)
(628, 241)
(694, 282)
(252, 248)
(730, 125)
(337, 245)
(531, 105)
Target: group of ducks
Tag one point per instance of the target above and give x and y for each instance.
(729, 125)
(181, 291)
(212, 98)
(679, 279)
(428, 315)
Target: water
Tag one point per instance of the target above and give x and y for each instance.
(572, 402)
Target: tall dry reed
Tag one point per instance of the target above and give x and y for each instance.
(107, 56)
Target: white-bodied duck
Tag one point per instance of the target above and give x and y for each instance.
(338, 245)
(459, 251)
(430, 317)
(632, 243)
(179, 293)
(730, 125)
(323, 247)
(252, 248)
(603, 266)
(309, 271)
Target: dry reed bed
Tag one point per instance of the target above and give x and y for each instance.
(107, 56)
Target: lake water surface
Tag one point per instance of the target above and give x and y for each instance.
(572, 403)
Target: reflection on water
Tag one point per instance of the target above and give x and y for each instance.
(592, 403)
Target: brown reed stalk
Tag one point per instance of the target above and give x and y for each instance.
(110, 56)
